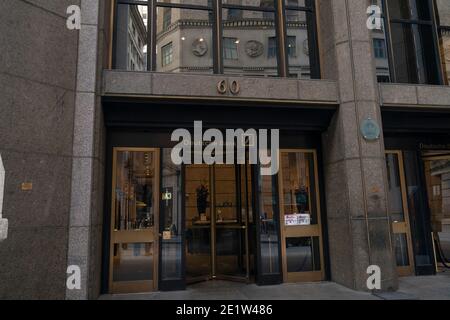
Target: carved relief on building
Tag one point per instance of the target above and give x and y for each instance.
(199, 47)
(254, 48)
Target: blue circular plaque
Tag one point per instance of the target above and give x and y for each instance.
(370, 130)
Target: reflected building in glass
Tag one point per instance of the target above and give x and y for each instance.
(249, 46)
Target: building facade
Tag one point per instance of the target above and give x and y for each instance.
(361, 99)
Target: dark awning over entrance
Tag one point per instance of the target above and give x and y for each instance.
(160, 114)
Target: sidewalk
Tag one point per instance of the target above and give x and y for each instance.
(432, 287)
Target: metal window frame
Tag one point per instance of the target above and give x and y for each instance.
(419, 22)
(279, 10)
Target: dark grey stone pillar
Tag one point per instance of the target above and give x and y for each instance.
(358, 223)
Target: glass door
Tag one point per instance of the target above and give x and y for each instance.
(218, 211)
(398, 212)
(171, 257)
(198, 208)
(301, 229)
(134, 218)
(233, 210)
(437, 176)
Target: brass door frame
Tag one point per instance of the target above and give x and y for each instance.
(403, 227)
(143, 236)
(301, 231)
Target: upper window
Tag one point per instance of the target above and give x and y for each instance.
(413, 41)
(248, 41)
(230, 50)
(292, 46)
(379, 48)
(272, 48)
(167, 18)
(167, 54)
(234, 14)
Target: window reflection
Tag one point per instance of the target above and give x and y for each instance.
(303, 254)
(445, 54)
(268, 215)
(395, 202)
(134, 188)
(185, 43)
(299, 187)
(184, 40)
(412, 40)
(409, 9)
(133, 262)
(300, 24)
(401, 250)
(131, 47)
(171, 218)
(380, 49)
(437, 173)
(443, 16)
(249, 43)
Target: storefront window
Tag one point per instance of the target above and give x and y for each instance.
(418, 213)
(269, 226)
(398, 212)
(299, 208)
(134, 188)
(134, 212)
(245, 41)
(171, 219)
(299, 185)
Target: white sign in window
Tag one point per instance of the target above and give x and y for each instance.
(302, 219)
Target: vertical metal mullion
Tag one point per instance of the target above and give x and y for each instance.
(280, 23)
(217, 37)
(115, 4)
(311, 24)
(212, 179)
(439, 71)
(151, 36)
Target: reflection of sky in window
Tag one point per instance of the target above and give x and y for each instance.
(143, 10)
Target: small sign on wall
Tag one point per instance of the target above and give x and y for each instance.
(302, 219)
(26, 186)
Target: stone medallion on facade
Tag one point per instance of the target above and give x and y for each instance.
(254, 48)
(199, 47)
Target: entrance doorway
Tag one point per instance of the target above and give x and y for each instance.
(437, 176)
(399, 212)
(218, 222)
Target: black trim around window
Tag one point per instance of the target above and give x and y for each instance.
(215, 9)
